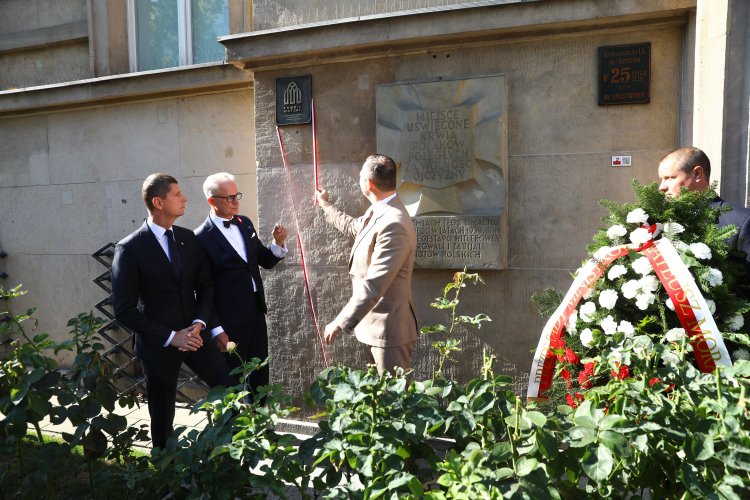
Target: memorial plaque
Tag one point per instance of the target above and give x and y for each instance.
(625, 74)
(449, 142)
(293, 100)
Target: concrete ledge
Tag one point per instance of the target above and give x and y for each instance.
(131, 87)
(31, 39)
(433, 29)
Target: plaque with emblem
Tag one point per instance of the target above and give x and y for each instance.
(293, 95)
(625, 74)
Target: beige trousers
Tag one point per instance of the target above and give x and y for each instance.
(386, 358)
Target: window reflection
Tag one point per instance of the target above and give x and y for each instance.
(158, 39)
(210, 21)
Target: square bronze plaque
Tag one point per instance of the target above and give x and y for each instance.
(293, 95)
(625, 74)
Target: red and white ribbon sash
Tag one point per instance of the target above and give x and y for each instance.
(690, 306)
(301, 249)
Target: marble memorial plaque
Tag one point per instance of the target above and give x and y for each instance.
(449, 142)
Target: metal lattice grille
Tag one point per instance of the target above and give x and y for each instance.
(127, 374)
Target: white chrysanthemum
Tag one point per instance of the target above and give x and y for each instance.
(675, 334)
(672, 228)
(711, 306)
(608, 299)
(741, 354)
(670, 357)
(700, 250)
(637, 216)
(587, 337)
(630, 289)
(735, 322)
(649, 283)
(626, 327)
(670, 304)
(602, 252)
(617, 271)
(571, 324)
(616, 231)
(714, 277)
(644, 299)
(609, 325)
(587, 311)
(642, 266)
(640, 236)
(680, 246)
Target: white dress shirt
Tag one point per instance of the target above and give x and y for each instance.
(234, 237)
(161, 237)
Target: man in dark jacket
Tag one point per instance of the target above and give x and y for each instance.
(234, 251)
(163, 292)
(690, 168)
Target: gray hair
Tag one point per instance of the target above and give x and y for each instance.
(211, 186)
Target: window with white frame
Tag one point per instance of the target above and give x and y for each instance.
(169, 33)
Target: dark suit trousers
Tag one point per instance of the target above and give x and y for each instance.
(252, 342)
(161, 384)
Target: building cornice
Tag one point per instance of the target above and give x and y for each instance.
(424, 30)
(126, 88)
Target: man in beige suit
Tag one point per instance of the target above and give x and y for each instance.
(381, 311)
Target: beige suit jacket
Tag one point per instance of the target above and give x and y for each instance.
(381, 311)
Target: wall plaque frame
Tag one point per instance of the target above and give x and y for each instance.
(625, 74)
(293, 100)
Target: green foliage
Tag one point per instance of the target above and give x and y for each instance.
(449, 345)
(549, 300)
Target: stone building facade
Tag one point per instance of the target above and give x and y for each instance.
(73, 154)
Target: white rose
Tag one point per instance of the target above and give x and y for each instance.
(609, 325)
(571, 324)
(640, 236)
(741, 354)
(630, 289)
(644, 299)
(587, 311)
(642, 266)
(607, 299)
(675, 334)
(589, 293)
(700, 250)
(680, 246)
(587, 337)
(670, 304)
(649, 283)
(714, 277)
(231, 346)
(617, 271)
(626, 327)
(616, 231)
(735, 322)
(670, 357)
(711, 306)
(637, 216)
(602, 252)
(672, 228)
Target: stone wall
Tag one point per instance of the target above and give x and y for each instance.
(70, 182)
(559, 147)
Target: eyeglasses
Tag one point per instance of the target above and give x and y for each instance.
(230, 199)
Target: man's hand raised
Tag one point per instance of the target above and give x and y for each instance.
(322, 196)
(188, 339)
(279, 235)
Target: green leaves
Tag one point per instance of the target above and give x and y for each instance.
(598, 462)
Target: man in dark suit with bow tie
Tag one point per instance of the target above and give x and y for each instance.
(163, 292)
(234, 251)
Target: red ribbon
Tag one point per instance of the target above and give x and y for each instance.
(301, 249)
(315, 149)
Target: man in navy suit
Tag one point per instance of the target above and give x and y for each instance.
(234, 251)
(690, 168)
(163, 292)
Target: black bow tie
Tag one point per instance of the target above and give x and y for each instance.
(234, 220)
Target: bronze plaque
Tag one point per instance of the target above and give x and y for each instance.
(293, 100)
(625, 74)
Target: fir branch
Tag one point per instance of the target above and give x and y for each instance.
(549, 300)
